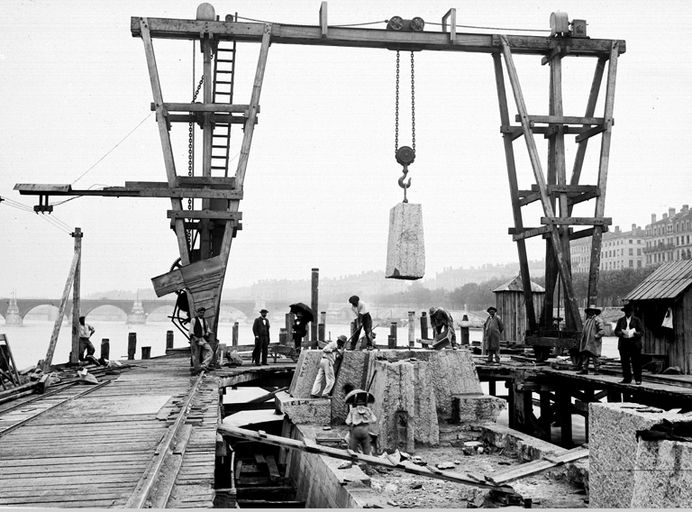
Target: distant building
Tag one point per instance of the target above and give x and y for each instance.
(670, 238)
(619, 250)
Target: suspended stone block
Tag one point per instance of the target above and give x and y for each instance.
(405, 248)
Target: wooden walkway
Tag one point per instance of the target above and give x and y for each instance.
(98, 446)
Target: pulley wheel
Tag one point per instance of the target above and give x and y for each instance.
(405, 155)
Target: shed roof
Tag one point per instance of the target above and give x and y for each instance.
(667, 282)
(515, 285)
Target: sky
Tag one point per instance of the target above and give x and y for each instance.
(321, 177)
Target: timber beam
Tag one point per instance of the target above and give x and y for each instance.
(166, 28)
(153, 189)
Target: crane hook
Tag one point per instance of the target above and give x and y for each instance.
(401, 180)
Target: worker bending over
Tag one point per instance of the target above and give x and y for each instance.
(325, 374)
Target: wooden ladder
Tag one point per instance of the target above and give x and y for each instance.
(224, 73)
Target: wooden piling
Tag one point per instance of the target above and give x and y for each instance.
(169, 340)
(321, 328)
(76, 283)
(234, 335)
(464, 336)
(146, 352)
(314, 304)
(105, 349)
(424, 325)
(131, 345)
(289, 328)
(411, 328)
(392, 335)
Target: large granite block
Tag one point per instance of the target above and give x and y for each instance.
(355, 372)
(305, 410)
(405, 247)
(612, 450)
(662, 475)
(305, 373)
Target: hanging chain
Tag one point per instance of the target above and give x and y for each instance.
(413, 106)
(396, 107)
(190, 146)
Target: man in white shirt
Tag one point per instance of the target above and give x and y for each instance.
(364, 321)
(325, 374)
(85, 332)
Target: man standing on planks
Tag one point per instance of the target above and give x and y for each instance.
(363, 321)
(629, 332)
(591, 340)
(85, 332)
(492, 328)
(260, 328)
(199, 342)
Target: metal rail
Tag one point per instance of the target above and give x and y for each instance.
(145, 486)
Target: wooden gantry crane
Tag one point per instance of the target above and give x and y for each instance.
(204, 235)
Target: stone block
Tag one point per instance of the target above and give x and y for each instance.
(479, 408)
(305, 373)
(612, 450)
(405, 247)
(305, 410)
(662, 475)
(393, 387)
(354, 372)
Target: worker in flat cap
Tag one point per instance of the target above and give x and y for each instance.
(591, 340)
(324, 381)
(260, 328)
(363, 321)
(200, 350)
(492, 328)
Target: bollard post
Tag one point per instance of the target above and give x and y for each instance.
(392, 335)
(131, 345)
(465, 339)
(146, 352)
(321, 328)
(283, 340)
(234, 335)
(169, 340)
(105, 349)
(314, 304)
(221, 354)
(424, 325)
(289, 328)
(411, 328)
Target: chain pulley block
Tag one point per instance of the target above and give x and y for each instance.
(405, 155)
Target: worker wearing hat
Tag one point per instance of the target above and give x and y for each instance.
(629, 331)
(199, 342)
(492, 328)
(260, 328)
(443, 327)
(325, 374)
(591, 340)
(363, 320)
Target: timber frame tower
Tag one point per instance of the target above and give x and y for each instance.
(201, 270)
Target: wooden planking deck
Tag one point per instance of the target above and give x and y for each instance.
(91, 451)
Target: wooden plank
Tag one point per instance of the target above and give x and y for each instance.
(581, 221)
(366, 38)
(204, 214)
(524, 233)
(150, 191)
(587, 134)
(531, 468)
(203, 107)
(560, 119)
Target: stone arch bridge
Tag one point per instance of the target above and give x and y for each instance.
(249, 307)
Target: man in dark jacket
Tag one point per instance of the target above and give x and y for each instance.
(260, 328)
(629, 332)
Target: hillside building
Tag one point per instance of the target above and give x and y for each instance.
(619, 250)
(670, 238)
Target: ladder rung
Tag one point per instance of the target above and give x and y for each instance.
(219, 167)
(224, 93)
(227, 71)
(224, 82)
(224, 60)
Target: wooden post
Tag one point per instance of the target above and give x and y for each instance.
(146, 352)
(105, 349)
(314, 304)
(76, 283)
(221, 354)
(545, 421)
(131, 345)
(564, 411)
(289, 328)
(492, 387)
(464, 335)
(169, 340)
(424, 325)
(61, 313)
(411, 328)
(234, 336)
(322, 326)
(392, 335)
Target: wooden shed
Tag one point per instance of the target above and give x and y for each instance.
(511, 306)
(669, 287)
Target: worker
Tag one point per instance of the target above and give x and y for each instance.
(300, 329)
(85, 332)
(443, 328)
(325, 374)
(629, 332)
(363, 321)
(492, 328)
(591, 340)
(260, 328)
(359, 419)
(199, 342)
